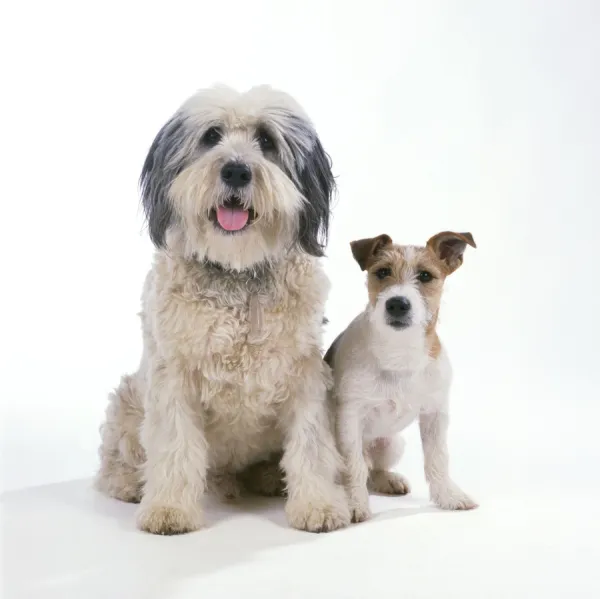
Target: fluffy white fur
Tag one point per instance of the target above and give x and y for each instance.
(231, 386)
(384, 379)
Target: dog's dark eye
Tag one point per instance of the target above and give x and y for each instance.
(383, 273)
(212, 137)
(424, 276)
(265, 141)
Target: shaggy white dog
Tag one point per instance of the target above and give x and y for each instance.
(231, 384)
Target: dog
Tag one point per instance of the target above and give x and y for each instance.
(390, 368)
(231, 391)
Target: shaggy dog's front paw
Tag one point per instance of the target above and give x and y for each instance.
(317, 516)
(451, 497)
(160, 519)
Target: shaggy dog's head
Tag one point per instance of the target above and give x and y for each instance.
(238, 179)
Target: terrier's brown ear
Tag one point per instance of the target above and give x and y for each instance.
(365, 250)
(449, 247)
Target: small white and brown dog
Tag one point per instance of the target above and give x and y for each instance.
(390, 369)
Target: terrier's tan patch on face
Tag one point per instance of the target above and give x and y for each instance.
(385, 270)
(424, 267)
(398, 265)
(401, 265)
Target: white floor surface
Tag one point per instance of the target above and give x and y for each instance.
(536, 533)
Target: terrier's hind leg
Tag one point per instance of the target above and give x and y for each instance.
(385, 453)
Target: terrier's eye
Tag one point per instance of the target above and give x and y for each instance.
(265, 141)
(424, 276)
(212, 137)
(383, 273)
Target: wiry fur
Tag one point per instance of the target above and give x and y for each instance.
(224, 397)
(386, 377)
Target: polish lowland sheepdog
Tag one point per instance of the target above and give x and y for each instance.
(231, 389)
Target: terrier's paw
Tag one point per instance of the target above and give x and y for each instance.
(160, 519)
(388, 483)
(317, 516)
(451, 497)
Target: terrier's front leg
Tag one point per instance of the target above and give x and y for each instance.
(350, 439)
(444, 492)
(176, 450)
(311, 463)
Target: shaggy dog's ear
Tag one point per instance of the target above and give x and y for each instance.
(317, 185)
(163, 163)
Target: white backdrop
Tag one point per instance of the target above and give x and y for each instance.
(475, 116)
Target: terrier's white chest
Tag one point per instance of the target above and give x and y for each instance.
(394, 404)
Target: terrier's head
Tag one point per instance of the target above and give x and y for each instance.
(405, 282)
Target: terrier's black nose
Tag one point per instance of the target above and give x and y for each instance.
(236, 174)
(397, 306)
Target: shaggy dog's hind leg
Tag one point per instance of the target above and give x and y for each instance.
(264, 478)
(121, 454)
(223, 485)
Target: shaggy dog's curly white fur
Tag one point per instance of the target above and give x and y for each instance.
(231, 385)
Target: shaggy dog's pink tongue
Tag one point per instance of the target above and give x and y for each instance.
(232, 219)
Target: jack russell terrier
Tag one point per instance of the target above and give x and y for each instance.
(390, 368)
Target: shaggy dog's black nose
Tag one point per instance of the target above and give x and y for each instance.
(236, 174)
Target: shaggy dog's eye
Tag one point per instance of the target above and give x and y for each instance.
(424, 276)
(383, 273)
(212, 137)
(265, 141)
